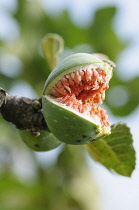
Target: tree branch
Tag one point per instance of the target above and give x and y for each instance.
(23, 112)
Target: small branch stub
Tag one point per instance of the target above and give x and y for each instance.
(2, 96)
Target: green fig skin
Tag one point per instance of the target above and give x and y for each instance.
(46, 141)
(69, 126)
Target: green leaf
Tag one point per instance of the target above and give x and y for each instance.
(53, 46)
(115, 151)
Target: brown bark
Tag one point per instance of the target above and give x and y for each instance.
(23, 112)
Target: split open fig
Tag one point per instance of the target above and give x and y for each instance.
(71, 98)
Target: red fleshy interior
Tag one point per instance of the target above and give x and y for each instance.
(82, 90)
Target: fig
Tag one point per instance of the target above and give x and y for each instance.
(44, 141)
(71, 98)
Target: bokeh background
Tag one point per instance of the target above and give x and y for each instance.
(67, 178)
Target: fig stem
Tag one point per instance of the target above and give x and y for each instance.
(22, 112)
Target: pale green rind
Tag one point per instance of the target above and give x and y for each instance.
(68, 126)
(44, 142)
(116, 151)
(71, 62)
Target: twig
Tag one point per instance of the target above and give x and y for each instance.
(23, 112)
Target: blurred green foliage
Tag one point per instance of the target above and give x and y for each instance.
(54, 188)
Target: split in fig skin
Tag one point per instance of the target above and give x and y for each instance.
(81, 90)
(72, 98)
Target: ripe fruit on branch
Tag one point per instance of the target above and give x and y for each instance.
(71, 96)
